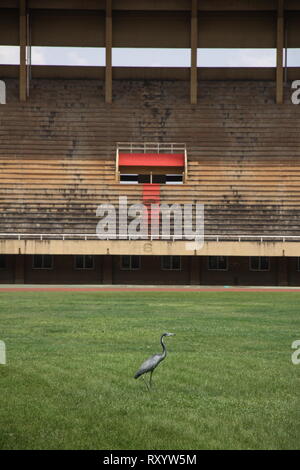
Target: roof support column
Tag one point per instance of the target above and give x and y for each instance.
(194, 45)
(279, 56)
(108, 52)
(24, 42)
(19, 269)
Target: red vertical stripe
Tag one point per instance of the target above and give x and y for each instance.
(151, 195)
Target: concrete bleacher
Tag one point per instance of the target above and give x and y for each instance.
(57, 153)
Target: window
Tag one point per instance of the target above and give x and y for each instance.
(130, 263)
(42, 262)
(158, 179)
(218, 263)
(2, 262)
(144, 178)
(171, 263)
(128, 178)
(174, 179)
(259, 263)
(84, 262)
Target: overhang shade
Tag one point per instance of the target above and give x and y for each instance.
(151, 159)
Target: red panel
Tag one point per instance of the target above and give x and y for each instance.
(151, 159)
(151, 192)
(151, 195)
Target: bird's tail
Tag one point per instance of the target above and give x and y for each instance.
(137, 375)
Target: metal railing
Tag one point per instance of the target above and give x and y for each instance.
(151, 147)
(93, 236)
(255, 238)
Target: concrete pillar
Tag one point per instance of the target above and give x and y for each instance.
(282, 271)
(19, 274)
(194, 271)
(107, 272)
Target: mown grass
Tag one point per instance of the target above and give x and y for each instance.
(228, 381)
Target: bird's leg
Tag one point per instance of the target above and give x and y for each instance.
(150, 381)
(146, 383)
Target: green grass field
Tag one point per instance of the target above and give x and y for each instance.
(227, 383)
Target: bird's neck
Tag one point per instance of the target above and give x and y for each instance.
(164, 353)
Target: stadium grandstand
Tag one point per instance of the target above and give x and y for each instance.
(74, 137)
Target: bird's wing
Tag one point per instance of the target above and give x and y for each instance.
(149, 364)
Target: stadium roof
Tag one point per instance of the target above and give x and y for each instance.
(149, 24)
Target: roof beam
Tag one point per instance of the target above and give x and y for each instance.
(194, 45)
(108, 52)
(23, 41)
(279, 54)
(163, 5)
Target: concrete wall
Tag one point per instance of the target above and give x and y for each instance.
(7, 275)
(63, 272)
(107, 270)
(151, 272)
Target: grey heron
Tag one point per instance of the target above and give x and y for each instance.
(152, 362)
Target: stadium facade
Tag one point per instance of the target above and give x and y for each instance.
(75, 138)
